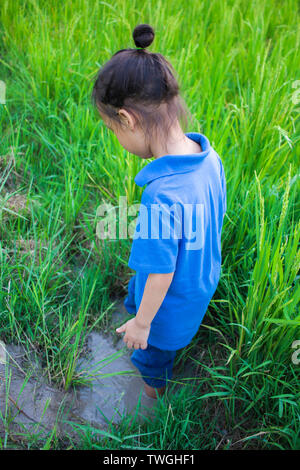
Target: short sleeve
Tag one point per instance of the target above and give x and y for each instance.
(156, 239)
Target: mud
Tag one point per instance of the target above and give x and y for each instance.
(29, 404)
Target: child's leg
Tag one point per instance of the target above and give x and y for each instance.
(155, 366)
(152, 391)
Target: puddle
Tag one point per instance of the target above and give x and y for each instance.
(115, 394)
(31, 403)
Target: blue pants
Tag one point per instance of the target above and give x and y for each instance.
(155, 365)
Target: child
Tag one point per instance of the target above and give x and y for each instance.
(176, 249)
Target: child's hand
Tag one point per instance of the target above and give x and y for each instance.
(136, 335)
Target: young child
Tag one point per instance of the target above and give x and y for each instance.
(176, 249)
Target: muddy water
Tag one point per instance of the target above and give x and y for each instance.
(28, 402)
(114, 394)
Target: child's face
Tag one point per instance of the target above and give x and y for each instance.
(128, 134)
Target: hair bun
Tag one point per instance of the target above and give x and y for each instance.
(143, 35)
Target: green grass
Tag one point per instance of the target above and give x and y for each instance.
(237, 66)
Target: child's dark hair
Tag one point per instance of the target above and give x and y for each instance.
(139, 81)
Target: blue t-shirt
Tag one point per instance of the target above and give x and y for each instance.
(179, 230)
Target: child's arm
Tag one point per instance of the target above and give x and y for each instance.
(137, 329)
(155, 291)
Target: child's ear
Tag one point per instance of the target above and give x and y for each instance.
(126, 119)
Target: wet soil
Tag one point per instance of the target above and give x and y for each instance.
(29, 404)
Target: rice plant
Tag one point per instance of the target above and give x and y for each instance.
(237, 65)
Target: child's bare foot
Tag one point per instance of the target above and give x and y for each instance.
(151, 391)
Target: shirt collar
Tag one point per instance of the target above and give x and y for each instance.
(172, 164)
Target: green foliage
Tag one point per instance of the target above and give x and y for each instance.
(237, 66)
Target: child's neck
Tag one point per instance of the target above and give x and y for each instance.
(177, 144)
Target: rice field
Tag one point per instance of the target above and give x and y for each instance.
(237, 63)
